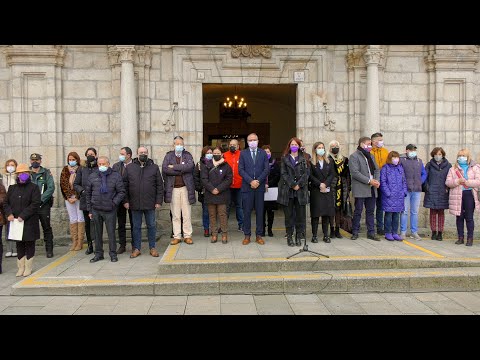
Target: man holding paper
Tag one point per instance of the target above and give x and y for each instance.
(21, 208)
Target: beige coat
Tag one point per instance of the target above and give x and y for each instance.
(455, 196)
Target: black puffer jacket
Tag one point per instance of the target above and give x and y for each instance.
(144, 185)
(108, 201)
(81, 182)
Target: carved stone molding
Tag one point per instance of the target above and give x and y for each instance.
(126, 52)
(29, 55)
(374, 55)
(438, 59)
(252, 51)
(354, 59)
(143, 56)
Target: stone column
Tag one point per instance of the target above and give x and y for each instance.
(128, 107)
(373, 55)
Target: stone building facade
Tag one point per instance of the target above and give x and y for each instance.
(60, 98)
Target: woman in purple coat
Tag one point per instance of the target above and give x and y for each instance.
(394, 189)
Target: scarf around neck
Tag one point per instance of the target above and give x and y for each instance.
(371, 165)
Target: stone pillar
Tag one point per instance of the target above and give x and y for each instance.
(373, 55)
(128, 107)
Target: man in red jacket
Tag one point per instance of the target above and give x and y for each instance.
(231, 157)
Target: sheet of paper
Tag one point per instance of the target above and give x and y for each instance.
(16, 230)
(271, 194)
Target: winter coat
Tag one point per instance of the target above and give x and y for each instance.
(23, 200)
(393, 187)
(414, 172)
(197, 178)
(144, 185)
(109, 201)
(219, 177)
(81, 182)
(44, 180)
(380, 155)
(343, 186)
(437, 193)
(456, 190)
(65, 188)
(292, 176)
(233, 160)
(3, 198)
(322, 204)
(9, 180)
(185, 169)
(360, 176)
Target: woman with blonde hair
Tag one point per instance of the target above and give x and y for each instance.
(72, 200)
(463, 179)
(342, 186)
(10, 179)
(322, 190)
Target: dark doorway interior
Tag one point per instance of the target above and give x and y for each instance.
(268, 110)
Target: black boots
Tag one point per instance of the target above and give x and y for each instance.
(314, 230)
(299, 238)
(326, 237)
(289, 238)
(434, 235)
(439, 236)
(337, 233)
(49, 247)
(89, 248)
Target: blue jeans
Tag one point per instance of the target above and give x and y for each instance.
(412, 203)
(391, 222)
(236, 198)
(205, 217)
(137, 227)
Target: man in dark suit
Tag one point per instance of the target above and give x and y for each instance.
(253, 168)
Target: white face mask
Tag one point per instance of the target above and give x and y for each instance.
(10, 169)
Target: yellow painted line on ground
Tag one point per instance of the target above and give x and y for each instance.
(423, 249)
(32, 278)
(171, 253)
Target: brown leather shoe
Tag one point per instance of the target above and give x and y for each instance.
(175, 241)
(154, 252)
(259, 240)
(246, 241)
(121, 249)
(214, 239)
(224, 238)
(188, 241)
(135, 253)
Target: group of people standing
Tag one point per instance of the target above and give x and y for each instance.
(96, 193)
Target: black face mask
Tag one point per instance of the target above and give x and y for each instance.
(143, 157)
(335, 151)
(35, 165)
(217, 157)
(90, 158)
(233, 149)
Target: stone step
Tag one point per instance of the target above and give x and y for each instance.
(299, 282)
(308, 263)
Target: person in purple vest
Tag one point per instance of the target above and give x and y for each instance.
(415, 175)
(393, 187)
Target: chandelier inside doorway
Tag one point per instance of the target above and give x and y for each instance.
(234, 107)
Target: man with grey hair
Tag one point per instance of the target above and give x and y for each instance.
(177, 170)
(144, 185)
(105, 192)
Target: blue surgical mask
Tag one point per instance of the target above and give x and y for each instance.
(462, 160)
(320, 152)
(72, 163)
(178, 148)
(122, 158)
(209, 156)
(102, 168)
(412, 154)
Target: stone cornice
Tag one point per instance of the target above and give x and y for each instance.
(35, 55)
(436, 62)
